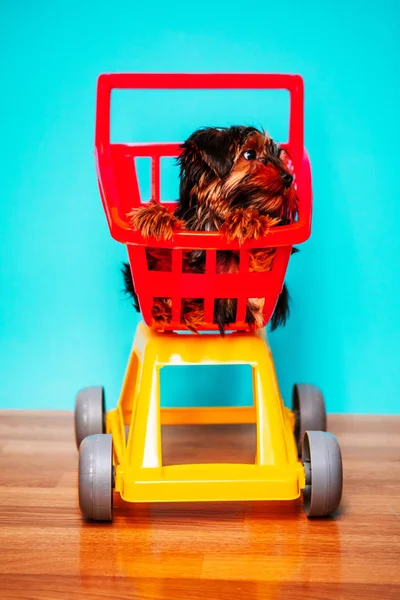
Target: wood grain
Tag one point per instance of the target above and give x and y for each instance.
(193, 551)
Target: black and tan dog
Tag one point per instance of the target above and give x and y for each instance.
(234, 180)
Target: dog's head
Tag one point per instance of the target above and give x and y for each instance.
(234, 167)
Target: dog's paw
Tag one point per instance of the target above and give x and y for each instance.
(154, 220)
(161, 311)
(254, 313)
(245, 224)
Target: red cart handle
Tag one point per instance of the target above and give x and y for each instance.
(293, 83)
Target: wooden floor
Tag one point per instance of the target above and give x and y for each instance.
(206, 551)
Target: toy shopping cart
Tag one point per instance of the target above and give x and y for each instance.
(121, 450)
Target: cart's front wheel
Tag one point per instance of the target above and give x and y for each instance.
(89, 413)
(309, 410)
(322, 461)
(96, 477)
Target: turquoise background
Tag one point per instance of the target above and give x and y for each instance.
(64, 322)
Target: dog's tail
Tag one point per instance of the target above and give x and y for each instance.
(129, 288)
(282, 309)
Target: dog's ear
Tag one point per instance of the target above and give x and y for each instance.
(210, 147)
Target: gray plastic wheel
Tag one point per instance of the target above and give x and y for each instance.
(96, 477)
(322, 461)
(89, 413)
(309, 409)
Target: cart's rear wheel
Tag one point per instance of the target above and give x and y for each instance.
(96, 477)
(322, 461)
(89, 413)
(309, 409)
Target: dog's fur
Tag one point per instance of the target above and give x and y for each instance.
(234, 180)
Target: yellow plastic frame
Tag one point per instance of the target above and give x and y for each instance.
(139, 474)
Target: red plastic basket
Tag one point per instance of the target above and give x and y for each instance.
(119, 190)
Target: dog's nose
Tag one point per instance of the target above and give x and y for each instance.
(287, 179)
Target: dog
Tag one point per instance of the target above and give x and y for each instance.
(235, 180)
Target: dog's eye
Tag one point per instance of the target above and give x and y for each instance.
(250, 155)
